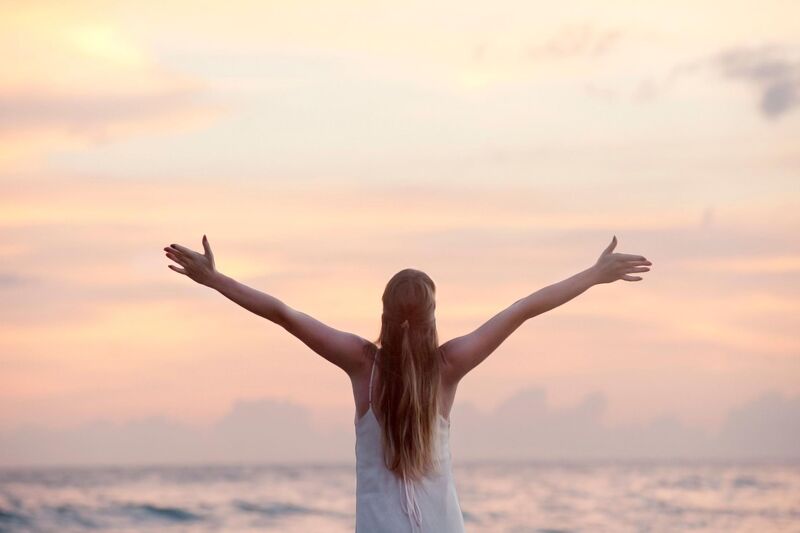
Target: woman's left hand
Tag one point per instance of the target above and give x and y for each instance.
(199, 267)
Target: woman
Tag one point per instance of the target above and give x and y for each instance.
(404, 384)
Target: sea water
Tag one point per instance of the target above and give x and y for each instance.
(495, 497)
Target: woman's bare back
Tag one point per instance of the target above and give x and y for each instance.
(360, 382)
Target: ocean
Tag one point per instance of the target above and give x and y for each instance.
(542, 497)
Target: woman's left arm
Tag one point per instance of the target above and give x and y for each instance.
(341, 348)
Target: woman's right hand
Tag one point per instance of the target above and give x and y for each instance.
(613, 266)
(199, 267)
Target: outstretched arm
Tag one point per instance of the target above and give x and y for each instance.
(339, 347)
(464, 353)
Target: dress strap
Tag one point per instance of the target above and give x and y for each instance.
(371, 375)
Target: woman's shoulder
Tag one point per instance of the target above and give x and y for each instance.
(369, 354)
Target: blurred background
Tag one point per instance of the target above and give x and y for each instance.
(324, 146)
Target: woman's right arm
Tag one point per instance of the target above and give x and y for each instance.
(464, 353)
(341, 348)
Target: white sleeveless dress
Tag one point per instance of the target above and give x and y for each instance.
(387, 504)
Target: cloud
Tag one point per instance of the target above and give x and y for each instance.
(90, 114)
(770, 424)
(577, 41)
(12, 279)
(771, 71)
(774, 71)
(525, 427)
(253, 430)
(79, 78)
(522, 427)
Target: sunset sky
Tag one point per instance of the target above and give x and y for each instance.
(324, 146)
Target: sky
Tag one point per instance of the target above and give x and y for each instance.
(324, 146)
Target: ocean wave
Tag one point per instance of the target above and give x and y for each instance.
(169, 514)
(11, 518)
(281, 509)
(541, 499)
(74, 517)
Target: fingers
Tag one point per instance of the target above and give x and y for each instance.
(182, 249)
(611, 246)
(178, 270)
(174, 251)
(630, 257)
(207, 247)
(631, 278)
(172, 254)
(178, 259)
(638, 269)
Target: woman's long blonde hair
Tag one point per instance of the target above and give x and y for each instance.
(409, 366)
